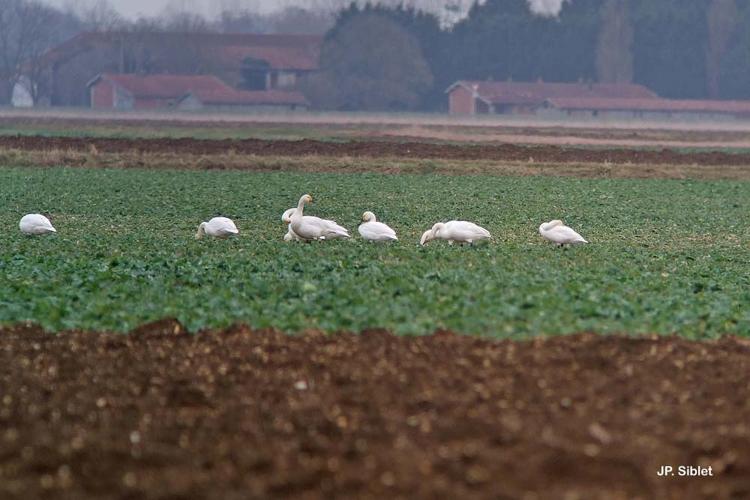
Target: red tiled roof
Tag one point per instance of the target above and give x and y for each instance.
(163, 86)
(538, 92)
(665, 105)
(208, 89)
(232, 96)
(300, 52)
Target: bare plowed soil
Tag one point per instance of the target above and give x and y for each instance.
(396, 149)
(245, 414)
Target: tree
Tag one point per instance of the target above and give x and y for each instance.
(497, 40)
(426, 30)
(614, 56)
(735, 70)
(27, 30)
(671, 41)
(296, 20)
(98, 16)
(370, 63)
(568, 43)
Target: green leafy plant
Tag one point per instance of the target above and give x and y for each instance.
(665, 256)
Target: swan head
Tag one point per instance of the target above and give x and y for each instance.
(368, 217)
(306, 198)
(549, 225)
(427, 236)
(287, 216)
(201, 231)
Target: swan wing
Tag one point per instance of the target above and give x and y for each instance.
(564, 234)
(221, 227)
(308, 227)
(466, 231)
(334, 231)
(377, 231)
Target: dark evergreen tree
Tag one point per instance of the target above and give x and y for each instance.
(670, 46)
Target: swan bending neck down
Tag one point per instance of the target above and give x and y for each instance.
(218, 227)
(314, 228)
(372, 230)
(560, 234)
(456, 230)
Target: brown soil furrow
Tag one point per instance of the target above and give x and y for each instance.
(377, 149)
(239, 413)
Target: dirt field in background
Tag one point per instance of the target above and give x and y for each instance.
(372, 156)
(576, 137)
(376, 149)
(247, 414)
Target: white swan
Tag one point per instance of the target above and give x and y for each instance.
(372, 230)
(560, 234)
(456, 230)
(36, 224)
(286, 217)
(314, 228)
(218, 227)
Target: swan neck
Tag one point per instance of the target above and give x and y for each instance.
(300, 206)
(201, 231)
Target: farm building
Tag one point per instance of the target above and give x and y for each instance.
(255, 100)
(657, 109)
(562, 100)
(475, 97)
(253, 62)
(129, 92)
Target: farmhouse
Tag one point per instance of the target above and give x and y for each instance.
(585, 100)
(129, 92)
(252, 62)
(476, 97)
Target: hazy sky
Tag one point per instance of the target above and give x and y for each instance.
(210, 8)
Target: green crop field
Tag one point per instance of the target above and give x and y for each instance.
(665, 256)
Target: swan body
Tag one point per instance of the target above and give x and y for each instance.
(286, 217)
(36, 224)
(556, 232)
(456, 230)
(372, 230)
(218, 227)
(314, 228)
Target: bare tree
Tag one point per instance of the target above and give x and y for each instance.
(27, 30)
(101, 17)
(296, 20)
(243, 21)
(722, 19)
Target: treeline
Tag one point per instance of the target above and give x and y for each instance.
(688, 49)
